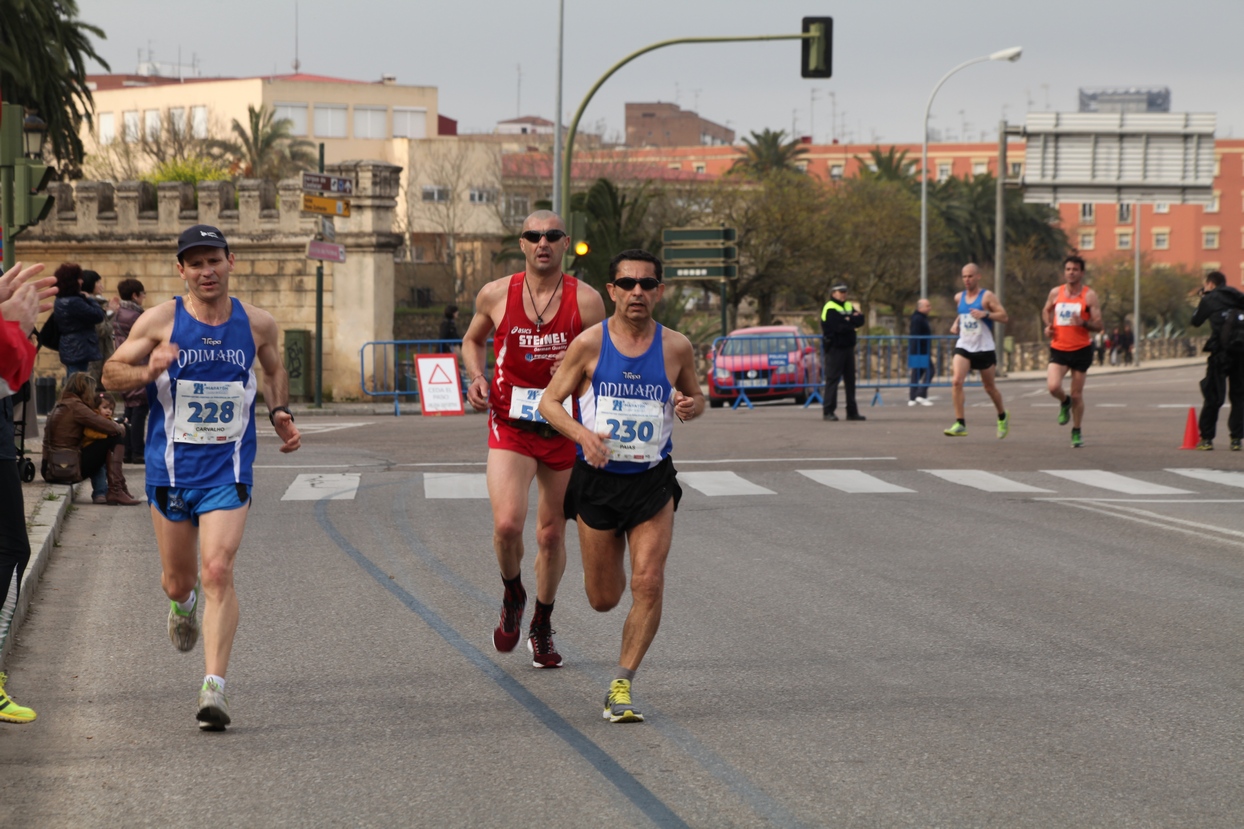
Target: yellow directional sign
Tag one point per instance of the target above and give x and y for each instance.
(325, 206)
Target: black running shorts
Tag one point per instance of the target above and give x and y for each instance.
(611, 501)
(1078, 360)
(979, 360)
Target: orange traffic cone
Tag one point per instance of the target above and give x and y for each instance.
(1191, 433)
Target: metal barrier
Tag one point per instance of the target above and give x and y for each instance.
(747, 367)
(387, 367)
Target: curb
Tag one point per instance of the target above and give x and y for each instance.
(45, 527)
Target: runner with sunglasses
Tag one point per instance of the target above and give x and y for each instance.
(535, 313)
(632, 377)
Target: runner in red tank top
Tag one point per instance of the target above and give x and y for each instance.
(1070, 313)
(535, 314)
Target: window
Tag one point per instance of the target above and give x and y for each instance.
(410, 123)
(107, 128)
(419, 253)
(129, 126)
(296, 114)
(943, 170)
(674, 165)
(151, 124)
(980, 168)
(699, 168)
(198, 122)
(1161, 207)
(801, 166)
(483, 195)
(1125, 214)
(435, 193)
(369, 122)
(1162, 239)
(517, 207)
(1123, 239)
(330, 120)
(1206, 267)
(1209, 238)
(1214, 202)
(1088, 240)
(835, 172)
(1088, 214)
(177, 119)
(1017, 169)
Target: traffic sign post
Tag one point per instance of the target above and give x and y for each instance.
(325, 206)
(320, 183)
(698, 253)
(326, 251)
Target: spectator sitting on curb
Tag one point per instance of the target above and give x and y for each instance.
(67, 459)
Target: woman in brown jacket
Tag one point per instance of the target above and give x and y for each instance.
(64, 432)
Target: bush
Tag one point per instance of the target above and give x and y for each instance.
(190, 170)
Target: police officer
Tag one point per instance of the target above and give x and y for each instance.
(1224, 371)
(839, 319)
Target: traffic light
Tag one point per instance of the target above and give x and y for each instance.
(818, 50)
(579, 246)
(31, 204)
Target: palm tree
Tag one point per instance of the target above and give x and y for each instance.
(264, 147)
(768, 151)
(43, 53)
(892, 165)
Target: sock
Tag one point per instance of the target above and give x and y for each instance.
(187, 607)
(1001, 415)
(541, 617)
(625, 673)
(514, 588)
(219, 680)
(961, 421)
(1066, 401)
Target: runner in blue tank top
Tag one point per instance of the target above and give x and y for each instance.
(633, 377)
(196, 357)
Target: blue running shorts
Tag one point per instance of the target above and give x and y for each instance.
(180, 504)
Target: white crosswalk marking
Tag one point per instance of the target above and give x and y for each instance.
(1214, 476)
(721, 483)
(1114, 482)
(446, 485)
(984, 481)
(333, 487)
(853, 481)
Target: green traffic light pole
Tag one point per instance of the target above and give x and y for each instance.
(574, 124)
(10, 150)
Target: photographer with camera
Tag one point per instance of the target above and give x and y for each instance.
(1223, 307)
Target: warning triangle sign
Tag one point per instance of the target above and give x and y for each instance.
(439, 377)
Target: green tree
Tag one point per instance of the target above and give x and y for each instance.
(189, 170)
(616, 221)
(892, 165)
(43, 53)
(264, 147)
(1165, 293)
(768, 151)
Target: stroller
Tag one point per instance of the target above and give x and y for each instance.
(25, 465)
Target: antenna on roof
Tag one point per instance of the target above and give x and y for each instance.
(297, 63)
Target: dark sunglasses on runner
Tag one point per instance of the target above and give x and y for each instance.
(553, 236)
(626, 283)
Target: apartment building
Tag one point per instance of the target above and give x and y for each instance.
(669, 125)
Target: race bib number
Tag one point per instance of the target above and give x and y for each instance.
(209, 412)
(1067, 313)
(525, 405)
(634, 427)
(968, 324)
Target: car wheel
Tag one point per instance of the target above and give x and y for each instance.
(716, 402)
(801, 398)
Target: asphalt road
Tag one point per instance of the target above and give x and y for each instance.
(1029, 647)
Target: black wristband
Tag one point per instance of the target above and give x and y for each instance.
(272, 414)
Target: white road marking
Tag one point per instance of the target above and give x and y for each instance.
(1111, 405)
(1117, 483)
(685, 462)
(984, 481)
(306, 428)
(1176, 406)
(721, 483)
(853, 481)
(455, 485)
(331, 486)
(1214, 476)
(1164, 522)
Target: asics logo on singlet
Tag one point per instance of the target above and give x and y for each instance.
(208, 355)
(517, 330)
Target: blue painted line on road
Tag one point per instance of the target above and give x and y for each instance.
(647, 802)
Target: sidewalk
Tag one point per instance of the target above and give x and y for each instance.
(1096, 370)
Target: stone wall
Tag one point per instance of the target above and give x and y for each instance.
(130, 229)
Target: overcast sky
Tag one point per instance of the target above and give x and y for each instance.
(888, 55)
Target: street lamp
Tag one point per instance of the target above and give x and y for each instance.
(34, 129)
(1011, 55)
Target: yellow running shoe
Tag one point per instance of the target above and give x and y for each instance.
(618, 707)
(957, 430)
(10, 711)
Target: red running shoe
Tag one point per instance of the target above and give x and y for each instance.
(543, 652)
(509, 629)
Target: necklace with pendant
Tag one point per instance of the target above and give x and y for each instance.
(540, 314)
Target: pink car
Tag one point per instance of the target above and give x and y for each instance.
(769, 362)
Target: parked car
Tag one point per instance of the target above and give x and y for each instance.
(769, 362)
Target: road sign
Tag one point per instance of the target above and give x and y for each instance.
(328, 230)
(325, 206)
(702, 272)
(697, 235)
(440, 384)
(320, 183)
(715, 254)
(326, 251)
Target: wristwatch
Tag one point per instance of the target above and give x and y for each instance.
(272, 414)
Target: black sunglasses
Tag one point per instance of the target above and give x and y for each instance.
(553, 236)
(626, 283)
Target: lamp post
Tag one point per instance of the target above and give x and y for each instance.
(557, 125)
(1012, 55)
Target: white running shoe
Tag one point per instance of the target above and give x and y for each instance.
(924, 401)
(911, 402)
